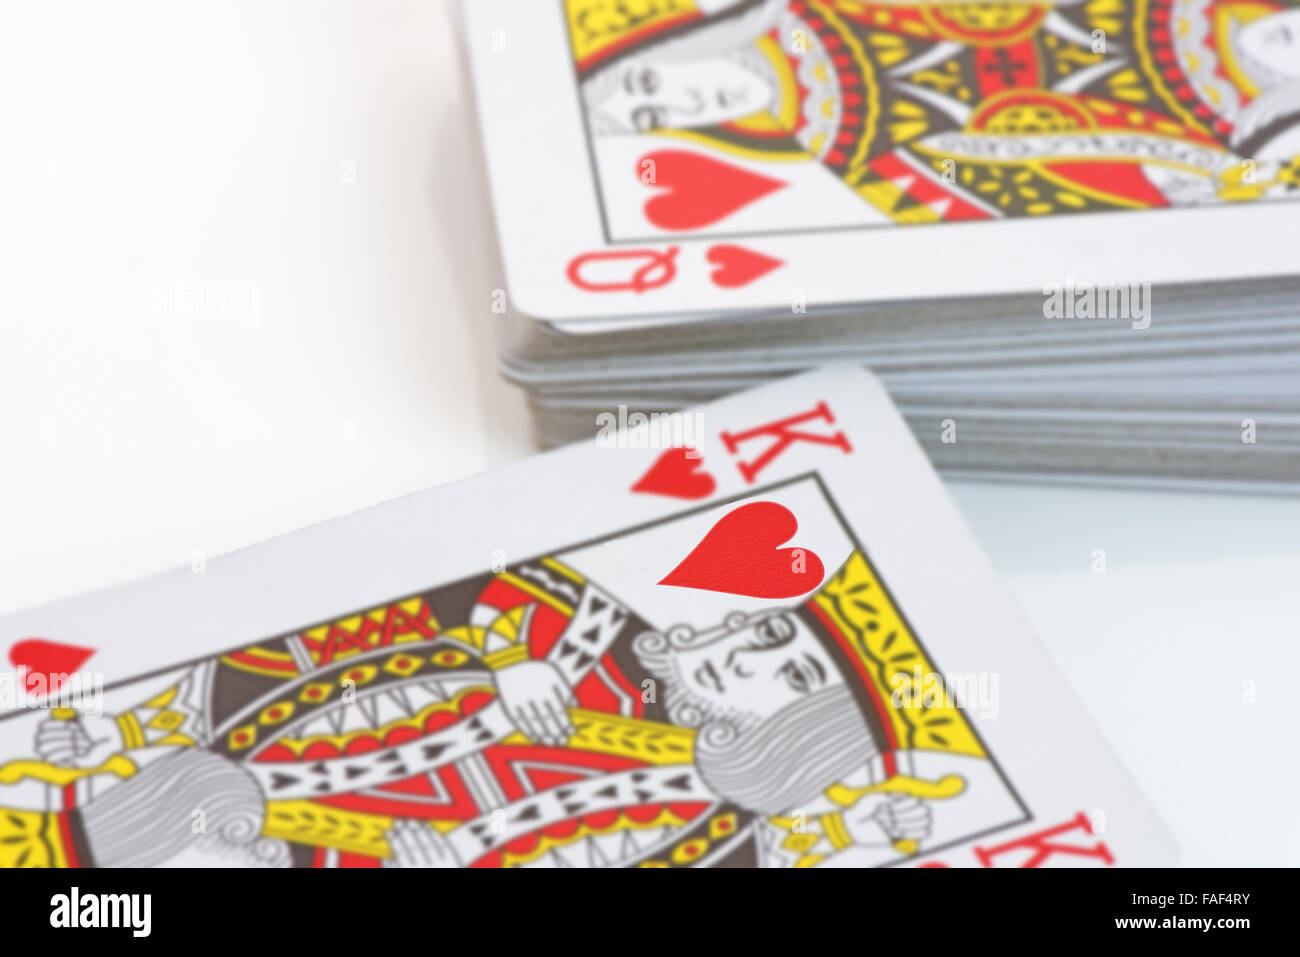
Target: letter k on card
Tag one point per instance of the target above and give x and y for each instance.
(781, 435)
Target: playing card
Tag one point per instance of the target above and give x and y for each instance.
(704, 156)
(753, 634)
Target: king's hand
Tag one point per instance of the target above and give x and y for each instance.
(536, 697)
(416, 844)
(886, 818)
(73, 741)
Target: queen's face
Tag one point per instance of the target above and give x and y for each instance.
(758, 669)
(652, 94)
(1274, 41)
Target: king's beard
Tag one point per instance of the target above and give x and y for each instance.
(768, 764)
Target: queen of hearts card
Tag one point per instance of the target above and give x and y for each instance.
(937, 112)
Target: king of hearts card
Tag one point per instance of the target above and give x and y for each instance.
(525, 718)
(710, 154)
(757, 655)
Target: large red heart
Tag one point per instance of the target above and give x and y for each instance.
(698, 191)
(678, 472)
(740, 556)
(50, 659)
(738, 266)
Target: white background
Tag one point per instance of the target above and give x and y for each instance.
(320, 160)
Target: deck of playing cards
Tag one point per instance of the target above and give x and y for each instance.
(1063, 234)
(737, 653)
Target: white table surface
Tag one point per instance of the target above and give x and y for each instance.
(318, 160)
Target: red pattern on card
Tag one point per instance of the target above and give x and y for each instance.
(678, 473)
(740, 556)
(52, 660)
(696, 190)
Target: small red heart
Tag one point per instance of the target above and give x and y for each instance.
(698, 190)
(679, 473)
(50, 659)
(740, 556)
(738, 266)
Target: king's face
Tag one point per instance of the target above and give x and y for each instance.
(758, 669)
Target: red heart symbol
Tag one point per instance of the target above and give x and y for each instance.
(697, 190)
(738, 266)
(51, 660)
(740, 556)
(678, 472)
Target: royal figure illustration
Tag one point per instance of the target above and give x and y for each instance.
(933, 112)
(524, 718)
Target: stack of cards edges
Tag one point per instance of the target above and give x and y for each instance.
(744, 656)
(1064, 235)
